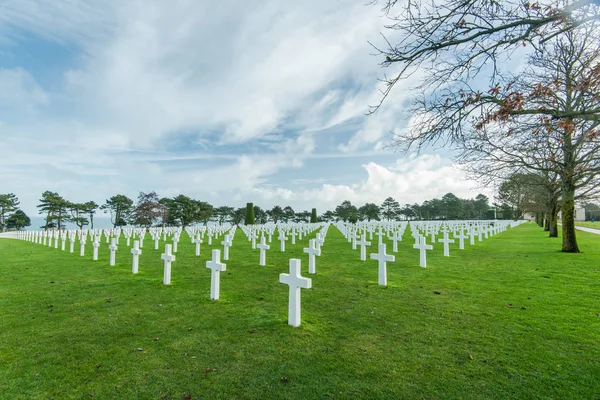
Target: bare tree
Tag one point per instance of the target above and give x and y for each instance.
(147, 210)
(452, 41)
(545, 120)
(548, 122)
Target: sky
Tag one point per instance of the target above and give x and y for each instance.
(227, 102)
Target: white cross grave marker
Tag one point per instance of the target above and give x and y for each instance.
(96, 244)
(312, 251)
(461, 239)
(168, 257)
(396, 237)
(295, 282)
(113, 248)
(198, 240)
(216, 266)
(136, 254)
(82, 247)
(422, 246)
(282, 240)
(446, 240)
(363, 247)
(382, 258)
(319, 241)
(226, 243)
(263, 246)
(380, 235)
(175, 241)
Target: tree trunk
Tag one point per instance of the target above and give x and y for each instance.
(553, 220)
(569, 238)
(547, 221)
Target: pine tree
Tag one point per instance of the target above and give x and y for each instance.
(249, 220)
(313, 216)
(390, 208)
(18, 220)
(55, 208)
(8, 204)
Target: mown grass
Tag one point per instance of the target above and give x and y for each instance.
(589, 224)
(510, 317)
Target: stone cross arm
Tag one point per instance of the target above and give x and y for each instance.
(215, 264)
(294, 279)
(168, 257)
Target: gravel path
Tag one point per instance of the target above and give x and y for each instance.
(590, 230)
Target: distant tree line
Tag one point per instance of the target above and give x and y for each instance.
(522, 193)
(448, 207)
(11, 217)
(534, 194)
(151, 210)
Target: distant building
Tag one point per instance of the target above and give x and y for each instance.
(579, 214)
(529, 216)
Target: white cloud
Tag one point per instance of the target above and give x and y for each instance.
(19, 91)
(244, 71)
(409, 180)
(265, 76)
(73, 22)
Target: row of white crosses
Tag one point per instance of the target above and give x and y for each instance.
(95, 235)
(419, 230)
(293, 279)
(357, 234)
(312, 250)
(136, 251)
(253, 232)
(461, 230)
(112, 235)
(42, 236)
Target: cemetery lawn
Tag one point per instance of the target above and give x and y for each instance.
(511, 317)
(589, 224)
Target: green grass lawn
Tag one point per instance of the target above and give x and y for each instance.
(589, 224)
(511, 317)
